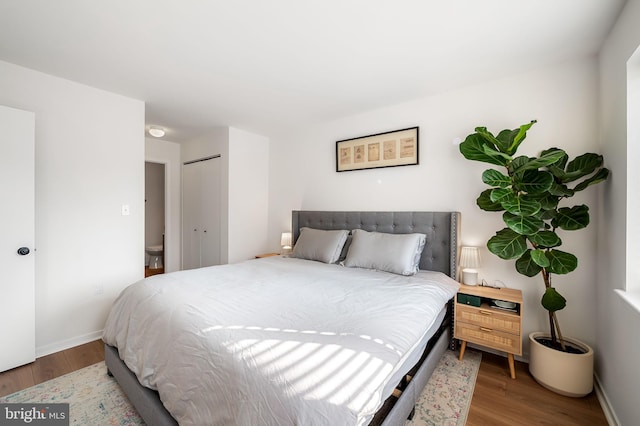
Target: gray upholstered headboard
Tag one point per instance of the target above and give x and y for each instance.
(442, 230)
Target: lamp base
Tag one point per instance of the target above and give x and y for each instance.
(470, 277)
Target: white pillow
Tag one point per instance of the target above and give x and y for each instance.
(320, 245)
(396, 253)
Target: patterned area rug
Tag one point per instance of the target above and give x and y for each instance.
(96, 399)
(446, 399)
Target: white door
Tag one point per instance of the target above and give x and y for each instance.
(17, 235)
(201, 229)
(210, 205)
(190, 216)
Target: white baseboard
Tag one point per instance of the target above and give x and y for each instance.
(68, 343)
(604, 403)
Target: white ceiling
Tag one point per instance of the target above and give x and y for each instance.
(260, 65)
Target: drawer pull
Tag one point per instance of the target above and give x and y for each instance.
(485, 312)
(488, 330)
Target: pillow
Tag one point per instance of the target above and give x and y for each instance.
(396, 253)
(320, 245)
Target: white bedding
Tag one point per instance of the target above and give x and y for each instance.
(274, 341)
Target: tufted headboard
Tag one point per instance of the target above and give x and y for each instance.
(441, 228)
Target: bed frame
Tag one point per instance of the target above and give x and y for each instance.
(440, 254)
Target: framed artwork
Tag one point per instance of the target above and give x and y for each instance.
(390, 149)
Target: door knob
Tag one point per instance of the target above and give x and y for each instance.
(22, 251)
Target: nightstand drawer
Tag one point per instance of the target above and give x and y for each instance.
(500, 340)
(488, 318)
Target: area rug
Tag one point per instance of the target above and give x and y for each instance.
(446, 399)
(96, 399)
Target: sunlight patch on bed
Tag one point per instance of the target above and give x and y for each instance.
(313, 371)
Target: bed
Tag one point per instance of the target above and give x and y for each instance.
(294, 339)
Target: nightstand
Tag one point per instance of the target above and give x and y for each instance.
(490, 317)
(260, 256)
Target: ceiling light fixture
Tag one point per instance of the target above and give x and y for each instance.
(156, 132)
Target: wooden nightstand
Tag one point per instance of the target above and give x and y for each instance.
(478, 320)
(260, 256)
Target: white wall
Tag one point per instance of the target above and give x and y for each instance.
(89, 162)
(248, 194)
(618, 321)
(168, 153)
(564, 101)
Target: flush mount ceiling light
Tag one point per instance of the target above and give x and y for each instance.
(156, 132)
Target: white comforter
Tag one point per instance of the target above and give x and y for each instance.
(274, 341)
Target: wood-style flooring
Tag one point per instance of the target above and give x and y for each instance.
(51, 366)
(497, 399)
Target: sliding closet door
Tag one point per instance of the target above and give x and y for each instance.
(201, 212)
(17, 231)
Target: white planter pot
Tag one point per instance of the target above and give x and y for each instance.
(564, 373)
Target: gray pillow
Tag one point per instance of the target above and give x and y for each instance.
(396, 253)
(320, 245)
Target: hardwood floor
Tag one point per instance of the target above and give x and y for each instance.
(497, 399)
(50, 366)
(149, 272)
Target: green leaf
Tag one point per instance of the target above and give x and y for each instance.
(526, 266)
(548, 158)
(473, 148)
(510, 140)
(558, 164)
(485, 203)
(601, 176)
(553, 301)
(490, 151)
(547, 201)
(517, 163)
(571, 219)
(493, 177)
(545, 239)
(524, 225)
(561, 262)
(498, 195)
(583, 165)
(487, 136)
(505, 138)
(520, 136)
(539, 257)
(560, 190)
(507, 244)
(521, 206)
(533, 181)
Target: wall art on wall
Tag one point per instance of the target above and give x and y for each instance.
(390, 149)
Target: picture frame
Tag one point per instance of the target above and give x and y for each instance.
(388, 149)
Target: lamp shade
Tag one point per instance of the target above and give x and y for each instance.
(470, 257)
(285, 240)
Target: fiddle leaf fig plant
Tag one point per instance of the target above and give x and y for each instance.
(529, 192)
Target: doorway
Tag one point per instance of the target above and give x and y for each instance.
(155, 218)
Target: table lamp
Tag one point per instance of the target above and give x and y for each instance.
(285, 242)
(469, 261)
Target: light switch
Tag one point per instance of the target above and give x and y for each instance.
(125, 210)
